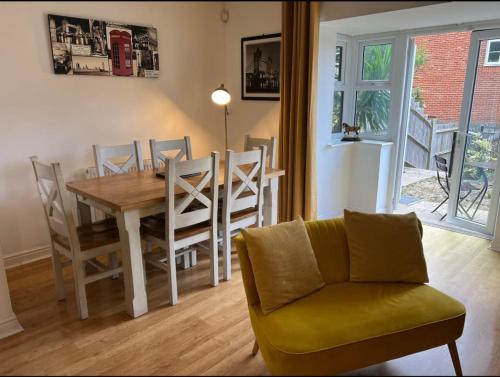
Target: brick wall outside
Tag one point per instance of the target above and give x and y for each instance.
(441, 79)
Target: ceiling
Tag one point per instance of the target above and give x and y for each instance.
(449, 13)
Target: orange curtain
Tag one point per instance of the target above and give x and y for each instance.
(300, 30)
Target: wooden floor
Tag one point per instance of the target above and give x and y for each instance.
(209, 331)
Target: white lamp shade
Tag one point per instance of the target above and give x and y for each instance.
(221, 96)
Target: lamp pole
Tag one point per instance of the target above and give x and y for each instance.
(226, 113)
(221, 97)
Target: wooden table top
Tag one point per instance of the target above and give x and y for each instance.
(135, 190)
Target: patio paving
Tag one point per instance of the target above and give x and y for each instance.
(421, 193)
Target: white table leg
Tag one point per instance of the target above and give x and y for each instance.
(271, 202)
(133, 271)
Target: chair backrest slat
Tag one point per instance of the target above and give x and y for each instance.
(244, 182)
(442, 173)
(183, 146)
(50, 184)
(191, 200)
(131, 152)
(252, 143)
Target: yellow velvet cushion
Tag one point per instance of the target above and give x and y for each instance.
(283, 263)
(385, 248)
(329, 242)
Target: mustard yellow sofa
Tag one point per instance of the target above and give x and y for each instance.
(346, 325)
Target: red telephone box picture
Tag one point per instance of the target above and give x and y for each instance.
(121, 52)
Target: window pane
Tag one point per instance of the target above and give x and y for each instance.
(495, 46)
(338, 107)
(377, 62)
(493, 57)
(372, 110)
(338, 63)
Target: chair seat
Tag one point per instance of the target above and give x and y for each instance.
(350, 325)
(156, 227)
(240, 215)
(91, 236)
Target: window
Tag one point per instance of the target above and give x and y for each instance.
(116, 55)
(338, 110)
(377, 61)
(373, 87)
(339, 53)
(492, 57)
(338, 94)
(128, 56)
(372, 111)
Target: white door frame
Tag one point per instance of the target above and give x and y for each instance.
(458, 160)
(400, 144)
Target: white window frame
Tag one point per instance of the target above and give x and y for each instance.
(487, 55)
(346, 82)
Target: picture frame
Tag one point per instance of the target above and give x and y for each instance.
(260, 67)
(90, 46)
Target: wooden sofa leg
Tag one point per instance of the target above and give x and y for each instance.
(452, 347)
(255, 349)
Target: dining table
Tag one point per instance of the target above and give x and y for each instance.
(135, 195)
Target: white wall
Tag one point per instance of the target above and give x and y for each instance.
(258, 118)
(353, 176)
(59, 117)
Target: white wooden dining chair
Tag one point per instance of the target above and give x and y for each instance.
(129, 156)
(243, 197)
(158, 158)
(252, 143)
(186, 225)
(116, 159)
(80, 245)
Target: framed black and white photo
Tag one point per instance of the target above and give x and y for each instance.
(260, 67)
(83, 46)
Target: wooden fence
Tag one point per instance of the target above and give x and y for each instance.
(427, 138)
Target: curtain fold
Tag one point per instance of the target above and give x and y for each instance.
(297, 136)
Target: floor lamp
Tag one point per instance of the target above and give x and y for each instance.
(221, 97)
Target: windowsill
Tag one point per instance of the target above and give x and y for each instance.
(337, 143)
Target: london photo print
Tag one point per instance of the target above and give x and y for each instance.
(82, 46)
(260, 67)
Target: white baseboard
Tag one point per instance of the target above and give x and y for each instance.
(9, 327)
(26, 256)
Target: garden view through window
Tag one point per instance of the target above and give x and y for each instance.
(338, 95)
(372, 110)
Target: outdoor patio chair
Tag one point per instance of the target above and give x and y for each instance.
(466, 187)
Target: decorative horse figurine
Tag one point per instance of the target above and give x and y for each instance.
(348, 129)
(347, 133)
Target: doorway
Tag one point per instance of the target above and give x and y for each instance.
(451, 139)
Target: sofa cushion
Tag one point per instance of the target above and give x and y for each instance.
(385, 248)
(351, 325)
(329, 242)
(283, 263)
